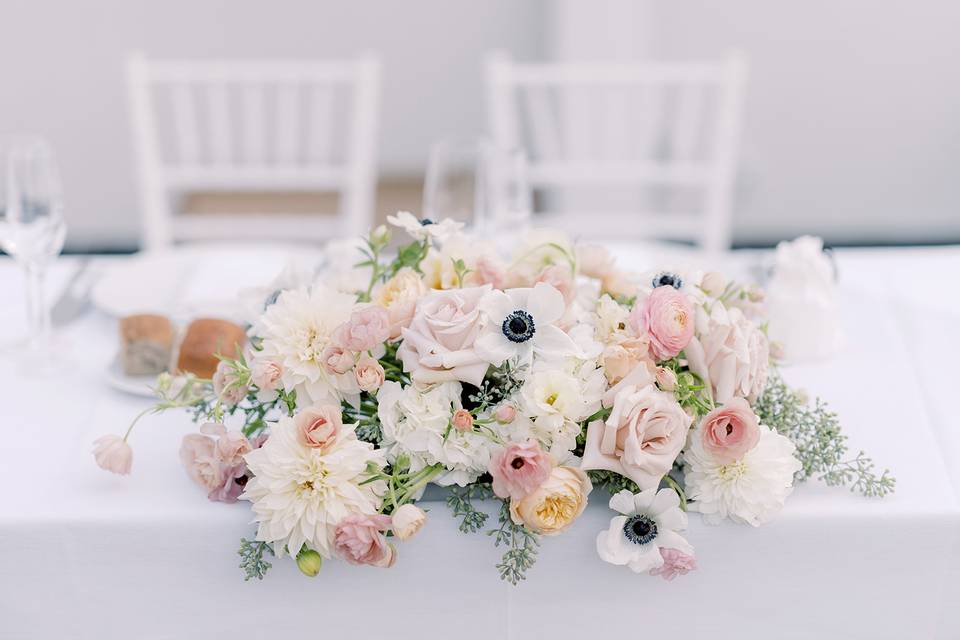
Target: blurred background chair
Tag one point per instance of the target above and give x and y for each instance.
(664, 134)
(246, 134)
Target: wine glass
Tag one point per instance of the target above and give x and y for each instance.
(474, 182)
(32, 229)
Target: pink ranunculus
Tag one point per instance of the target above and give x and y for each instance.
(643, 435)
(366, 329)
(335, 359)
(198, 453)
(359, 539)
(318, 426)
(666, 315)
(438, 346)
(462, 420)
(226, 384)
(113, 454)
(675, 563)
(369, 373)
(730, 431)
(265, 374)
(519, 469)
(505, 413)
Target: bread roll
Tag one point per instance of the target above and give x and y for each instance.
(146, 344)
(204, 340)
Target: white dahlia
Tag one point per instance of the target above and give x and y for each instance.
(751, 490)
(300, 493)
(296, 330)
(416, 422)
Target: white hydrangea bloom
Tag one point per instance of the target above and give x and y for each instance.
(751, 490)
(416, 422)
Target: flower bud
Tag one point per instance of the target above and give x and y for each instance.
(309, 562)
(407, 520)
(713, 283)
(666, 379)
(380, 237)
(505, 413)
(462, 420)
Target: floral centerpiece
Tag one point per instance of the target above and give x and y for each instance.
(532, 380)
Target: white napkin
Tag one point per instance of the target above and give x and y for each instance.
(802, 301)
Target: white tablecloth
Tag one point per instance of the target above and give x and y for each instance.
(85, 554)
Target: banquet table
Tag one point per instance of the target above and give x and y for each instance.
(86, 554)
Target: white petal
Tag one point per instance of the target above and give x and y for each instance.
(552, 341)
(497, 306)
(666, 499)
(673, 540)
(493, 347)
(545, 304)
(643, 500)
(622, 501)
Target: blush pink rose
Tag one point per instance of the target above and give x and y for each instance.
(519, 469)
(366, 329)
(113, 454)
(666, 315)
(730, 431)
(318, 426)
(675, 563)
(641, 438)
(462, 420)
(265, 374)
(438, 346)
(369, 374)
(335, 359)
(359, 539)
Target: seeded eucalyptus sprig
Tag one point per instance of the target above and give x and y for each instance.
(460, 502)
(251, 558)
(821, 446)
(523, 546)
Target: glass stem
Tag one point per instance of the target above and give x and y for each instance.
(39, 311)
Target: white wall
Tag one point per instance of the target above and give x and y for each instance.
(61, 75)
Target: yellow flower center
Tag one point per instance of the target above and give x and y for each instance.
(556, 510)
(733, 471)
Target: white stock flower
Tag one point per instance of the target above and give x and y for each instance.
(300, 493)
(422, 229)
(648, 521)
(751, 490)
(557, 396)
(295, 331)
(521, 323)
(416, 423)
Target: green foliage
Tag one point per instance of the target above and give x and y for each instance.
(821, 445)
(522, 546)
(498, 385)
(251, 558)
(612, 482)
(460, 502)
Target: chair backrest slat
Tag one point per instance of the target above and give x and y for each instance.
(648, 125)
(245, 125)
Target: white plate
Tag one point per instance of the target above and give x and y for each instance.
(191, 281)
(135, 385)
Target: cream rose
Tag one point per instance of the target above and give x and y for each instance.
(369, 373)
(641, 438)
(438, 346)
(553, 506)
(399, 296)
(730, 353)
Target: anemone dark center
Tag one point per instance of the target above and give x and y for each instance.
(640, 529)
(667, 279)
(425, 222)
(518, 326)
(517, 463)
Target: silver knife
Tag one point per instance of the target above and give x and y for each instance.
(75, 297)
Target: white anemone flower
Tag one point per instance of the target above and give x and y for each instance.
(426, 228)
(521, 322)
(300, 493)
(648, 521)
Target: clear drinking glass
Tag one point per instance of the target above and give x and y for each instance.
(32, 229)
(473, 182)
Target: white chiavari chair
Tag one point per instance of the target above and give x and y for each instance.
(667, 130)
(291, 126)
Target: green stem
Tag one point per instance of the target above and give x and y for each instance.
(676, 487)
